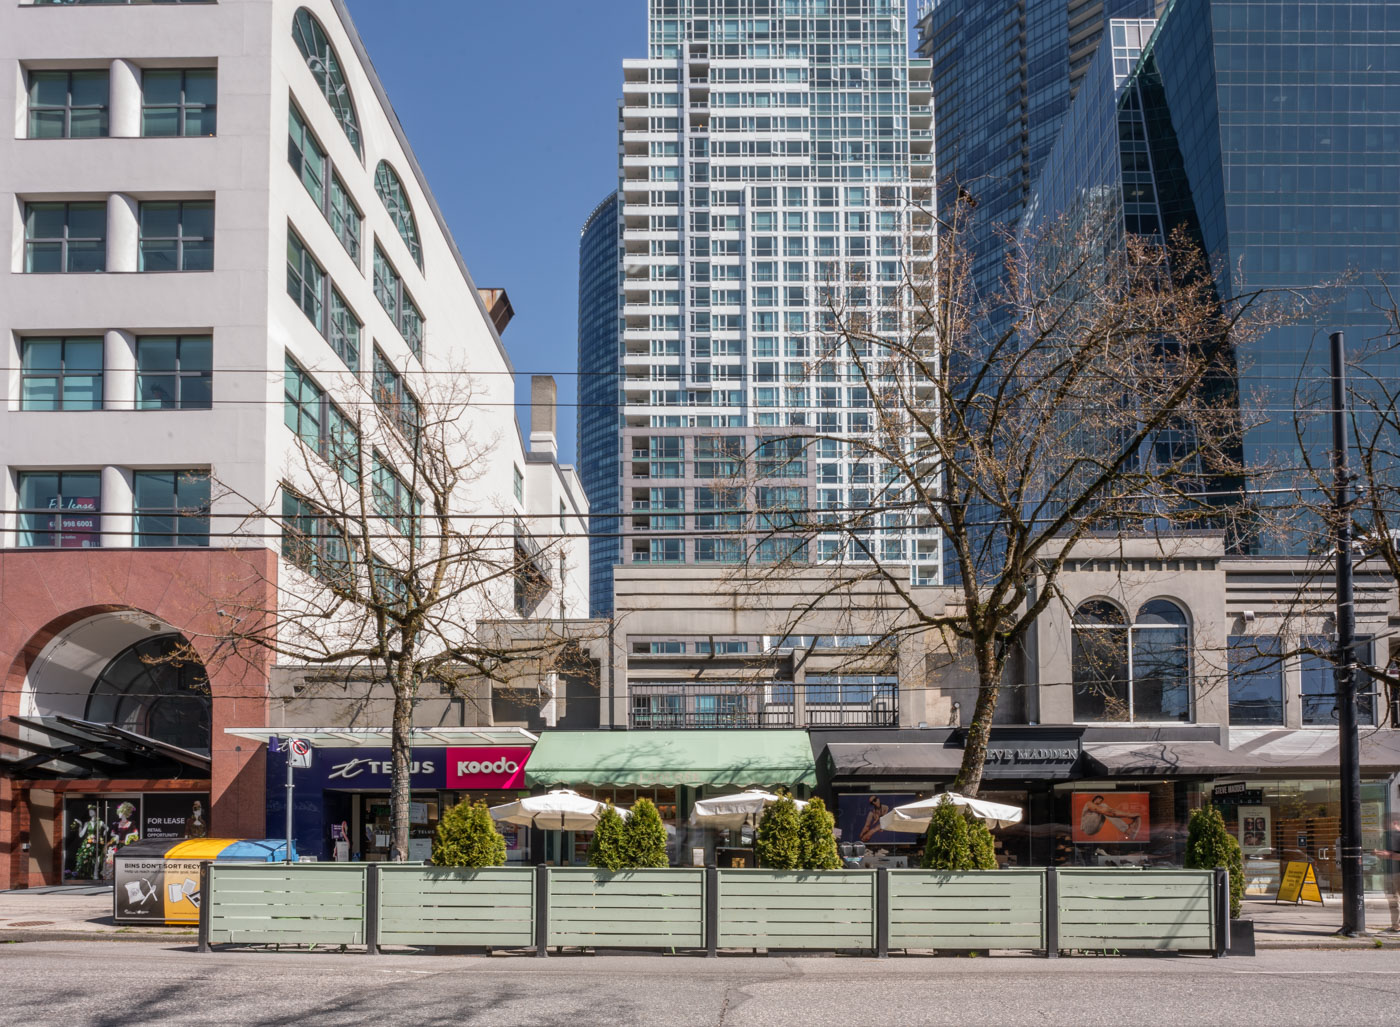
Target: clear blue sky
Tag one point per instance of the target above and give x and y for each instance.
(511, 108)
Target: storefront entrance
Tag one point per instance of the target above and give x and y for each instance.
(97, 826)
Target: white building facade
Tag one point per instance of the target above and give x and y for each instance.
(774, 162)
(222, 252)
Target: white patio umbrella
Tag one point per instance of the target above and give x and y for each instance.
(734, 811)
(914, 817)
(559, 810)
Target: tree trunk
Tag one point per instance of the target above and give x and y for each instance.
(979, 733)
(399, 787)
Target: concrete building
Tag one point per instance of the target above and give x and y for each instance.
(775, 160)
(223, 259)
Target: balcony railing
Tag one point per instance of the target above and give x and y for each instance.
(743, 705)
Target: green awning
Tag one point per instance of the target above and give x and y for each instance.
(669, 758)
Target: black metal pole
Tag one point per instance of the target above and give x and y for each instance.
(1349, 743)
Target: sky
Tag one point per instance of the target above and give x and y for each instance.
(511, 109)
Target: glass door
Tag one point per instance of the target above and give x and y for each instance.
(94, 828)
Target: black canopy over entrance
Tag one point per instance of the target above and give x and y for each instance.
(68, 747)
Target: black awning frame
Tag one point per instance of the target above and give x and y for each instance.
(96, 751)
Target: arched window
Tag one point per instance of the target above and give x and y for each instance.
(1138, 672)
(391, 191)
(321, 58)
(146, 689)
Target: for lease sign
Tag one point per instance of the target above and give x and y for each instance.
(489, 766)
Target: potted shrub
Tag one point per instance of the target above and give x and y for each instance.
(947, 845)
(467, 837)
(816, 845)
(778, 845)
(1209, 844)
(606, 850)
(644, 837)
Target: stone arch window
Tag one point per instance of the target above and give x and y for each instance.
(395, 199)
(146, 689)
(1131, 672)
(325, 64)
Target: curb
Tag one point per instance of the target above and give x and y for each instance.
(23, 936)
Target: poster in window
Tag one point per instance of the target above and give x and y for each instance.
(1110, 818)
(175, 815)
(858, 817)
(1256, 830)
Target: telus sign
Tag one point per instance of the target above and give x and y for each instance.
(488, 766)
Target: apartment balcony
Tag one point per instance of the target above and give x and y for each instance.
(755, 705)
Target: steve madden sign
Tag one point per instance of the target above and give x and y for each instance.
(1032, 755)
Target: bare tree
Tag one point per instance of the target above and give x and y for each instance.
(1095, 394)
(399, 563)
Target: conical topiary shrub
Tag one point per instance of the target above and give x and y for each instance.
(946, 846)
(980, 843)
(778, 845)
(644, 837)
(817, 838)
(1209, 844)
(607, 849)
(467, 837)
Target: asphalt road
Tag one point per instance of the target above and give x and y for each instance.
(121, 983)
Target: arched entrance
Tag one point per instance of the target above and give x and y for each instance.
(115, 717)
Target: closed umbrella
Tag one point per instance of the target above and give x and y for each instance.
(914, 817)
(559, 810)
(727, 812)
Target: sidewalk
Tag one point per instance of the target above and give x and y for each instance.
(1308, 925)
(70, 913)
(86, 913)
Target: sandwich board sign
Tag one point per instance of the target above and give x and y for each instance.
(1298, 883)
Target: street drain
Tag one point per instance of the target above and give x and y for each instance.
(31, 923)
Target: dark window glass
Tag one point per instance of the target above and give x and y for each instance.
(68, 104)
(306, 282)
(1100, 662)
(172, 508)
(325, 66)
(177, 102)
(395, 198)
(1320, 683)
(65, 237)
(174, 372)
(61, 374)
(1256, 679)
(177, 236)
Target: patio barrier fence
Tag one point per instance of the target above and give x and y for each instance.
(704, 908)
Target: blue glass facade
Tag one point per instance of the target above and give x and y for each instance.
(599, 338)
(1270, 130)
(1004, 74)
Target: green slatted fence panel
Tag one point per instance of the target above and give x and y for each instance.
(426, 905)
(300, 904)
(986, 909)
(651, 908)
(1142, 909)
(795, 909)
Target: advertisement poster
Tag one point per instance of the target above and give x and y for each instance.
(156, 890)
(79, 530)
(1109, 818)
(1256, 830)
(858, 818)
(175, 816)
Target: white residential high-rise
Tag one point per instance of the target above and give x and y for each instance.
(223, 255)
(773, 156)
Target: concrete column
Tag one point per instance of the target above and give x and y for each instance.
(123, 233)
(118, 371)
(124, 100)
(116, 508)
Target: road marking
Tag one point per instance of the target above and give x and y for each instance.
(1315, 973)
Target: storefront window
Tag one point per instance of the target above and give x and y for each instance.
(1256, 679)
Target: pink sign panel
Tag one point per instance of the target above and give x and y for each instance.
(487, 766)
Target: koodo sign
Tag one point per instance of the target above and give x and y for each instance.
(494, 766)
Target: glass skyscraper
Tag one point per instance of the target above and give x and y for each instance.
(599, 340)
(775, 154)
(1004, 73)
(1270, 131)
